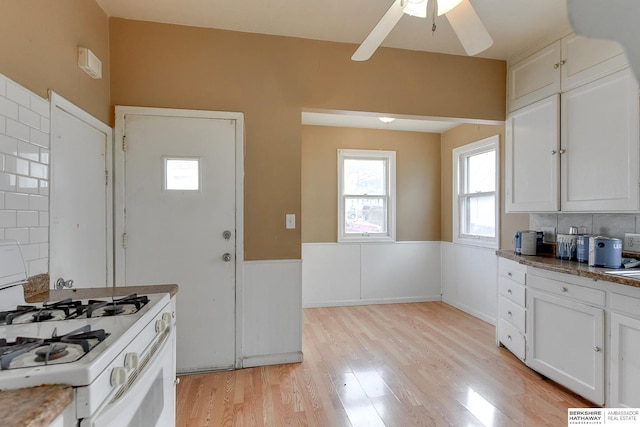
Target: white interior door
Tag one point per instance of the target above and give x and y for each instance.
(81, 201)
(180, 225)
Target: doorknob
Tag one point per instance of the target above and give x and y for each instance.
(226, 234)
(226, 257)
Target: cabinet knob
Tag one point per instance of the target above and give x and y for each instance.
(562, 151)
(564, 61)
(556, 65)
(509, 337)
(564, 289)
(509, 291)
(553, 152)
(510, 314)
(596, 348)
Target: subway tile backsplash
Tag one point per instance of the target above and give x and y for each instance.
(24, 172)
(610, 225)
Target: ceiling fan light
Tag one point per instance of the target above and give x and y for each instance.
(445, 6)
(416, 8)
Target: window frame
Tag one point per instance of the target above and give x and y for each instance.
(460, 154)
(390, 158)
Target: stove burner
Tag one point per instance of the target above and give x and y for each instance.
(133, 303)
(46, 350)
(113, 309)
(51, 352)
(42, 315)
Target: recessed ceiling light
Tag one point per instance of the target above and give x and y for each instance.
(386, 119)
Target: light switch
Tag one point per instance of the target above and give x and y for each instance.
(290, 221)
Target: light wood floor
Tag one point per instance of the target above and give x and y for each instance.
(419, 364)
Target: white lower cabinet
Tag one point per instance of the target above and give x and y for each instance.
(511, 327)
(565, 334)
(624, 358)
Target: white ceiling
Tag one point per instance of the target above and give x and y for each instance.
(372, 121)
(514, 25)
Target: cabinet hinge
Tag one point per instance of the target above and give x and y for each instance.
(106, 174)
(124, 143)
(125, 240)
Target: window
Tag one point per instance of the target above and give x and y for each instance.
(181, 173)
(366, 195)
(475, 189)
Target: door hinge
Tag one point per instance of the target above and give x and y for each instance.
(124, 143)
(106, 173)
(125, 240)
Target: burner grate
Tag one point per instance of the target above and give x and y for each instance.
(50, 349)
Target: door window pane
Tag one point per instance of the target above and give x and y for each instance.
(182, 173)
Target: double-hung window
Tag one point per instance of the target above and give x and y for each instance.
(366, 195)
(475, 189)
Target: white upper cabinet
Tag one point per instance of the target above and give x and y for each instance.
(595, 165)
(535, 77)
(561, 66)
(584, 60)
(599, 141)
(532, 158)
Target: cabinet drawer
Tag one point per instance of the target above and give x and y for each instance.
(511, 290)
(512, 313)
(625, 304)
(568, 290)
(511, 338)
(512, 270)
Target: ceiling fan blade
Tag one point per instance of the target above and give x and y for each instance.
(379, 32)
(469, 28)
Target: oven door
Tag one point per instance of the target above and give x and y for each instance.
(150, 399)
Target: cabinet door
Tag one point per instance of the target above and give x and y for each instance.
(532, 158)
(584, 60)
(566, 343)
(624, 362)
(599, 139)
(535, 77)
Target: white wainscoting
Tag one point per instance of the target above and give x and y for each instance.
(469, 280)
(339, 274)
(271, 313)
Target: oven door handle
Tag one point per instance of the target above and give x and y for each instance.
(122, 409)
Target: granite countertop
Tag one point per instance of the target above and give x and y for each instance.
(568, 267)
(34, 406)
(86, 293)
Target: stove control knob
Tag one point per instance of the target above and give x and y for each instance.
(161, 325)
(131, 361)
(118, 376)
(167, 317)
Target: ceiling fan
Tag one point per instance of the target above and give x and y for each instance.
(461, 15)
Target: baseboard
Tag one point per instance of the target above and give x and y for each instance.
(371, 301)
(271, 359)
(470, 311)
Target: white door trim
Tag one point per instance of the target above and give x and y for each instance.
(58, 102)
(119, 194)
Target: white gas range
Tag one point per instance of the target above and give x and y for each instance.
(118, 353)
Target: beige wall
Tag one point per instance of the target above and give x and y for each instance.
(271, 79)
(38, 49)
(417, 179)
(457, 137)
